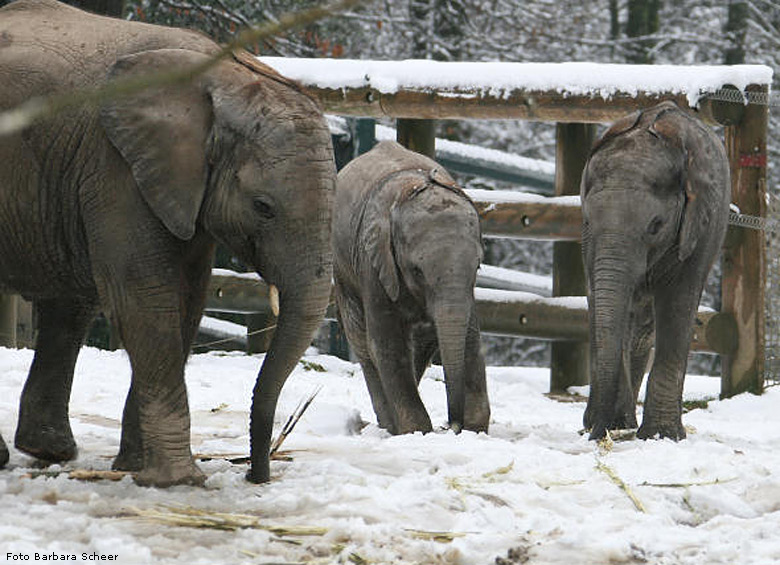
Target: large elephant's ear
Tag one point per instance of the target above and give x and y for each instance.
(703, 175)
(161, 133)
(703, 158)
(378, 244)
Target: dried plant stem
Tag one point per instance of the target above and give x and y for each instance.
(615, 478)
(195, 518)
(292, 421)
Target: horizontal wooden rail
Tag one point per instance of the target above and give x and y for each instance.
(240, 293)
(500, 312)
(535, 105)
(521, 215)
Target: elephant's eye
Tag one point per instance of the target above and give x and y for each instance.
(264, 208)
(655, 225)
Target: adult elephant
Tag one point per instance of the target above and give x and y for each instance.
(406, 247)
(655, 203)
(120, 206)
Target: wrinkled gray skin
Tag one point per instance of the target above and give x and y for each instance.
(119, 208)
(405, 255)
(655, 198)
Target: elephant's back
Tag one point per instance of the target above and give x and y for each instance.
(386, 158)
(47, 46)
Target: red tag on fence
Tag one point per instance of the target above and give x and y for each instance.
(753, 160)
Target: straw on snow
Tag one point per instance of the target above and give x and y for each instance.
(194, 518)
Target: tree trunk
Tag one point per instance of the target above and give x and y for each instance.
(735, 30)
(113, 8)
(642, 22)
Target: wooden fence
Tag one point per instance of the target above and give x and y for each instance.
(550, 94)
(575, 97)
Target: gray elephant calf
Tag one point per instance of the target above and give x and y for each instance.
(407, 245)
(119, 208)
(655, 203)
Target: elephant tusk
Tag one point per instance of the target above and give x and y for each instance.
(273, 298)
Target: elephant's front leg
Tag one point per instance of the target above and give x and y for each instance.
(157, 410)
(198, 269)
(390, 347)
(44, 427)
(636, 353)
(425, 345)
(675, 310)
(477, 416)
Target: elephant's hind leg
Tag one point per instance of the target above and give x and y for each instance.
(352, 319)
(44, 428)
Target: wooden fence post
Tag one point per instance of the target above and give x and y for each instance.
(8, 308)
(744, 257)
(417, 135)
(570, 360)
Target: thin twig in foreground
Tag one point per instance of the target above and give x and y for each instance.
(24, 115)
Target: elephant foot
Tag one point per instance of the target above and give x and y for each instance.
(166, 475)
(46, 442)
(598, 431)
(650, 430)
(477, 420)
(625, 420)
(4, 456)
(410, 427)
(598, 425)
(128, 461)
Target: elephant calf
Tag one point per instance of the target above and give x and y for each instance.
(655, 202)
(407, 245)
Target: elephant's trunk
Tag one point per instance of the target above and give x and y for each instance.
(302, 305)
(451, 319)
(612, 284)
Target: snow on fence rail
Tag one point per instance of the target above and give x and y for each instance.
(576, 95)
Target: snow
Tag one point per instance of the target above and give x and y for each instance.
(500, 78)
(467, 151)
(489, 276)
(533, 483)
(516, 196)
(510, 296)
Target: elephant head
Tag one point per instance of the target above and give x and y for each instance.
(654, 201)
(437, 246)
(244, 154)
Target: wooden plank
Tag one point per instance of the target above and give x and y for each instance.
(744, 257)
(237, 293)
(501, 312)
(520, 104)
(570, 361)
(549, 219)
(520, 314)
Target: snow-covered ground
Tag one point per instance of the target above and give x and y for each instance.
(533, 485)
